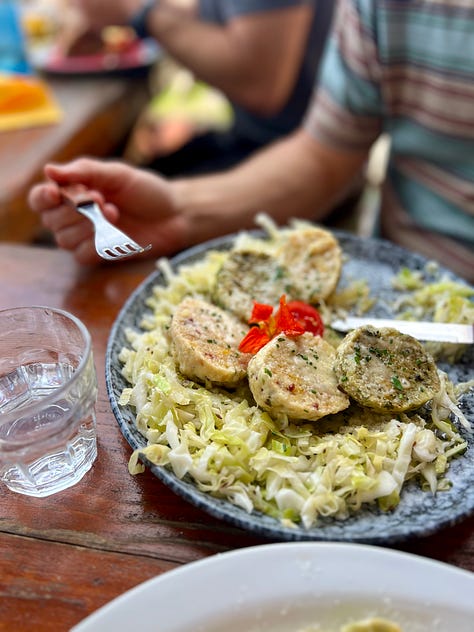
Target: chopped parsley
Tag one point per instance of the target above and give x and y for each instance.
(396, 383)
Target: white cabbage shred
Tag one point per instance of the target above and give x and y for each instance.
(294, 472)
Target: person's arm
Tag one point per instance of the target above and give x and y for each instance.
(254, 59)
(296, 177)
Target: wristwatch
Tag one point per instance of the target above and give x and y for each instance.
(139, 20)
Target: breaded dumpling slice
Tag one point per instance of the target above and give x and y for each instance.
(385, 370)
(247, 276)
(295, 377)
(205, 342)
(314, 258)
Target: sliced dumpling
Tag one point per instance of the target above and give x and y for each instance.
(295, 376)
(205, 341)
(385, 370)
(247, 276)
(314, 258)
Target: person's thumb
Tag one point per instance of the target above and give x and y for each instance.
(93, 174)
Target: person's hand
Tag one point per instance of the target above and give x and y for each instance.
(136, 201)
(101, 13)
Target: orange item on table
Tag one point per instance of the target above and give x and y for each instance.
(26, 101)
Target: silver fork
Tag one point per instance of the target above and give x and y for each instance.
(110, 242)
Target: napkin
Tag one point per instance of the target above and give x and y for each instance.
(26, 101)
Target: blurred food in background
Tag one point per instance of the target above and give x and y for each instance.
(180, 108)
(112, 39)
(25, 99)
(58, 23)
(41, 19)
(19, 92)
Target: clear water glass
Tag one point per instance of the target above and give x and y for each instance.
(48, 392)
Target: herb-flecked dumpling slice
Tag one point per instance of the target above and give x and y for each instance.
(247, 276)
(294, 376)
(205, 341)
(385, 370)
(313, 257)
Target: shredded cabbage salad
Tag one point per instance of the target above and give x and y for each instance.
(295, 472)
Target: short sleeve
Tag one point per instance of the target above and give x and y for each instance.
(241, 7)
(225, 10)
(347, 109)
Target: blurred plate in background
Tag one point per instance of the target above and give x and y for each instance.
(137, 58)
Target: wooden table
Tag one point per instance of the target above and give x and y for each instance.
(98, 115)
(64, 556)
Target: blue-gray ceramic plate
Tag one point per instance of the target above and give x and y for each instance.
(418, 513)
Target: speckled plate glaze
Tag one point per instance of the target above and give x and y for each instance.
(418, 513)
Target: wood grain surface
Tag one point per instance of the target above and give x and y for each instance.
(98, 114)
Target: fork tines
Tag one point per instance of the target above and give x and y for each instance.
(122, 250)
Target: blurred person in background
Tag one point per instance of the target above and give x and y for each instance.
(398, 67)
(263, 55)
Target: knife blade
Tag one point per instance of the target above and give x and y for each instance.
(422, 330)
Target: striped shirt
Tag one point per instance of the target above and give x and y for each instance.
(407, 68)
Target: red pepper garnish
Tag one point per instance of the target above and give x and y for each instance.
(292, 319)
(255, 339)
(260, 312)
(307, 316)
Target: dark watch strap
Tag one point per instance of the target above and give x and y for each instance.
(139, 20)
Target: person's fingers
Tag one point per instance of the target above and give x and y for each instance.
(60, 217)
(71, 236)
(46, 199)
(43, 197)
(85, 253)
(77, 172)
(79, 239)
(94, 174)
(111, 212)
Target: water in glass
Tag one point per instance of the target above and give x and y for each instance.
(47, 414)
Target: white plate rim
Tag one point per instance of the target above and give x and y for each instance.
(247, 576)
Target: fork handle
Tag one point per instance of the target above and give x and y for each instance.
(81, 202)
(92, 211)
(76, 195)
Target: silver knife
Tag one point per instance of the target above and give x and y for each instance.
(422, 330)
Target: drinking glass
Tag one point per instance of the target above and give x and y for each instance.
(48, 391)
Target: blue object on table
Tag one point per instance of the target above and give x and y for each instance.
(13, 57)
